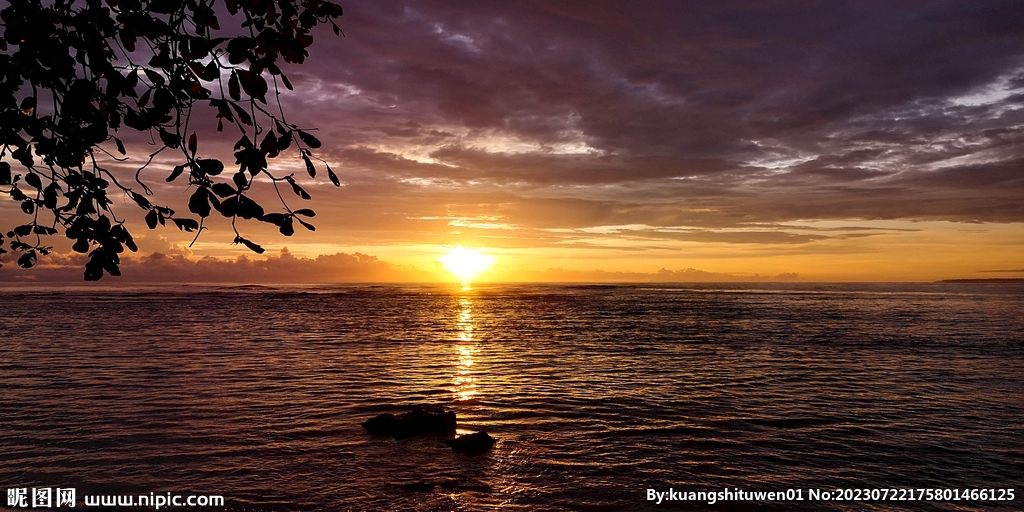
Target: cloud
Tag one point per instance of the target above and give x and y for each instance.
(180, 268)
(785, 101)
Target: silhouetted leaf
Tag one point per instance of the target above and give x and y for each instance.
(255, 248)
(33, 180)
(333, 177)
(239, 179)
(192, 144)
(151, 219)
(286, 228)
(50, 195)
(223, 189)
(144, 99)
(178, 169)
(248, 209)
(199, 202)
(154, 77)
(141, 200)
(28, 207)
(27, 260)
(275, 218)
(243, 116)
(309, 166)
(81, 245)
(299, 191)
(233, 91)
(5, 173)
(309, 139)
(186, 224)
(210, 166)
(306, 224)
(269, 144)
(253, 84)
(306, 212)
(171, 140)
(120, 146)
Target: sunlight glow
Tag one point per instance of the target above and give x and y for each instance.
(466, 264)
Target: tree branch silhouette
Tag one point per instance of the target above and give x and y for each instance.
(75, 74)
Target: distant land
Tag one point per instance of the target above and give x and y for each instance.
(986, 280)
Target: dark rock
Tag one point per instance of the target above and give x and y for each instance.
(477, 442)
(417, 422)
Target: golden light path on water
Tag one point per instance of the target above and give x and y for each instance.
(464, 378)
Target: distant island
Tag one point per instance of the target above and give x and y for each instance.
(986, 280)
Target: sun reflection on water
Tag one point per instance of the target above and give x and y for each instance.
(464, 378)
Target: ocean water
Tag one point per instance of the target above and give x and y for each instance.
(594, 393)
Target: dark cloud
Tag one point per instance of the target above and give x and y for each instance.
(842, 104)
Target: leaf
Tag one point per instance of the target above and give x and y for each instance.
(269, 144)
(309, 139)
(309, 166)
(306, 212)
(199, 202)
(333, 177)
(50, 195)
(128, 40)
(27, 260)
(151, 219)
(243, 116)
(210, 166)
(192, 144)
(5, 173)
(171, 140)
(188, 225)
(141, 201)
(253, 84)
(255, 248)
(233, 90)
(287, 83)
(248, 209)
(154, 77)
(120, 146)
(284, 141)
(33, 179)
(81, 245)
(239, 179)
(178, 169)
(28, 207)
(287, 229)
(306, 224)
(277, 219)
(298, 190)
(223, 190)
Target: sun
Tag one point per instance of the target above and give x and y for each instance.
(466, 264)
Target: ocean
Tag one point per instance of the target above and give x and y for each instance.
(596, 394)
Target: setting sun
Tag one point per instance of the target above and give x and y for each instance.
(466, 264)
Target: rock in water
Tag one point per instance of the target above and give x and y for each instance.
(417, 422)
(477, 442)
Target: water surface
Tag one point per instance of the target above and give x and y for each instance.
(595, 393)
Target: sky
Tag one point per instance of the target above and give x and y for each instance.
(593, 141)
